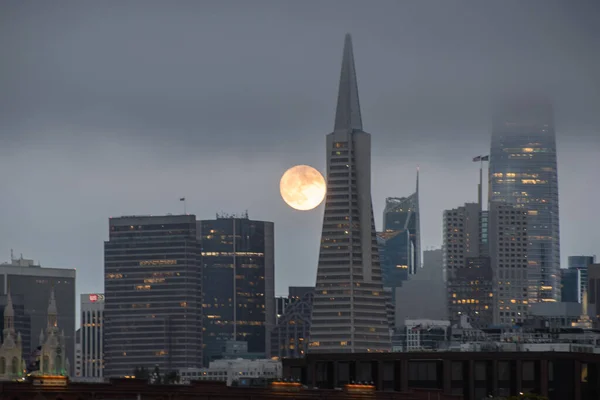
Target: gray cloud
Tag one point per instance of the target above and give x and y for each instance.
(121, 107)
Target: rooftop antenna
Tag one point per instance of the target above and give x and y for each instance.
(12, 255)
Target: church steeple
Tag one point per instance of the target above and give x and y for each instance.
(52, 311)
(347, 114)
(9, 315)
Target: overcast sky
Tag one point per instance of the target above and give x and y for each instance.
(112, 108)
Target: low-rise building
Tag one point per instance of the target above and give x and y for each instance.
(233, 371)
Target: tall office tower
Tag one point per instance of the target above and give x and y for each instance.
(239, 283)
(402, 247)
(469, 277)
(523, 172)
(349, 307)
(92, 336)
(33, 284)
(508, 226)
(579, 264)
(153, 294)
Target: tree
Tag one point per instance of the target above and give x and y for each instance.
(171, 378)
(141, 373)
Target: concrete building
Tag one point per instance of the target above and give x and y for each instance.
(349, 308)
(523, 172)
(410, 303)
(32, 284)
(92, 336)
(508, 243)
(238, 253)
(153, 289)
(468, 266)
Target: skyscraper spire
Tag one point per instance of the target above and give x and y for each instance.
(347, 114)
(52, 311)
(349, 313)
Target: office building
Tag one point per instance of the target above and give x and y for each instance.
(523, 172)
(570, 284)
(291, 335)
(468, 268)
(153, 294)
(485, 258)
(30, 285)
(402, 245)
(349, 308)
(410, 303)
(92, 336)
(238, 253)
(580, 265)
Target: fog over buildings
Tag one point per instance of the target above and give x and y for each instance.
(111, 109)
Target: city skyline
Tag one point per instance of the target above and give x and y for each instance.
(68, 187)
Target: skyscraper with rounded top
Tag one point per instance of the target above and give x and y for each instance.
(349, 306)
(523, 172)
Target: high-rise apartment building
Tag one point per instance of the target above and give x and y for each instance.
(92, 336)
(523, 172)
(33, 284)
(153, 294)
(349, 306)
(239, 284)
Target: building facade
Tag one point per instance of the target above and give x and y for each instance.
(291, 335)
(32, 284)
(238, 253)
(349, 307)
(92, 336)
(523, 172)
(508, 243)
(469, 276)
(570, 284)
(153, 294)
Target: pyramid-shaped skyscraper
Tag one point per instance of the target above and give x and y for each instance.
(349, 307)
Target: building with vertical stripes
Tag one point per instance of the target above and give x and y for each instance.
(91, 336)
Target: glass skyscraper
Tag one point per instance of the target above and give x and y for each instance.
(238, 280)
(400, 241)
(523, 172)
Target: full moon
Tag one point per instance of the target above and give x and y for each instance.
(302, 187)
